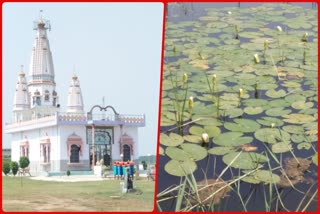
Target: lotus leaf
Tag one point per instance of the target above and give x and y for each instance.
(253, 110)
(172, 140)
(180, 168)
(161, 151)
(192, 138)
(301, 105)
(242, 125)
(196, 130)
(304, 145)
(196, 152)
(298, 118)
(315, 158)
(264, 176)
(221, 150)
(233, 112)
(293, 129)
(275, 94)
(277, 111)
(281, 147)
(177, 154)
(232, 139)
(246, 160)
(212, 131)
(267, 121)
(272, 135)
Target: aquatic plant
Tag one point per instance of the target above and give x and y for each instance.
(249, 136)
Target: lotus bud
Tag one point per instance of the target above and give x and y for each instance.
(279, 29)
(190, 102)
(229, 12)
(205, 138)
(305, 37)
(256, 58)
(185, 77)
(236, 27)
(214, 80)
(265, 45)
(273, 125)
(241, 92)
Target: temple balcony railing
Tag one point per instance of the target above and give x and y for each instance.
(64, 118)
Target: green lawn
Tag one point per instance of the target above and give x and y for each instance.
(34, 195)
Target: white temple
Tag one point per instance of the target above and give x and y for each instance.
(56, 141)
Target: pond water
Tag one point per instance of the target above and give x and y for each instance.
(239, 115)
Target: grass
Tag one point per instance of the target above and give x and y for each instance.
(35, 195)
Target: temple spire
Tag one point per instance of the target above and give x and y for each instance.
(75, 103)
(21, 98)
(41, 83)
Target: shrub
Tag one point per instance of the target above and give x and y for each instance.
(24, 162)
(68, 172)
(5, 167)
(144, 164)
(14, 167)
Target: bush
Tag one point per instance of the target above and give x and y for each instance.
(14, 167)
(5, 167)
(144, 164)
(24, 162)
(68, 172)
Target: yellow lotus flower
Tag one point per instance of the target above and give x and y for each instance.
(256, 58)
(190, 102)
(214, 80)
(241, 92)
(272, 125)
(305, 37)
(185, 77)
(279, 29)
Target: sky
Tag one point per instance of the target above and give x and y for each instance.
(114, 48)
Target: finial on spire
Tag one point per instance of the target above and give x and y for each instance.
(40, 15)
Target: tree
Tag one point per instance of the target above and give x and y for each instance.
(144, 164)
(14, 167)
(24, 162)
(6, 167)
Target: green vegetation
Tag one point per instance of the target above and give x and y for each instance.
(5, 167)
(74, 196)
(14, 167)
(24, 162)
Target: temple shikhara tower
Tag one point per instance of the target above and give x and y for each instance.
(74, 140)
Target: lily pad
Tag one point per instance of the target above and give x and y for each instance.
(277, 111)
(253, 110)
(293, 129)
(177, 154)
(281, 147)
(172, 140)
(246, 160)
(301, 105)
(304, 145)
(275, 94)
(298, 118)
(264, 176)
(161, 151)
(315, 158)
(195, 152)
(231, 139)
(242, 125)
(272, 135)
(180, 168)
(193, 138)
(221, 150)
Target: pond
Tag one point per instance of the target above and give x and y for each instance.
(239, 110)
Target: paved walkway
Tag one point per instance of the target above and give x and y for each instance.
(71, 178)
